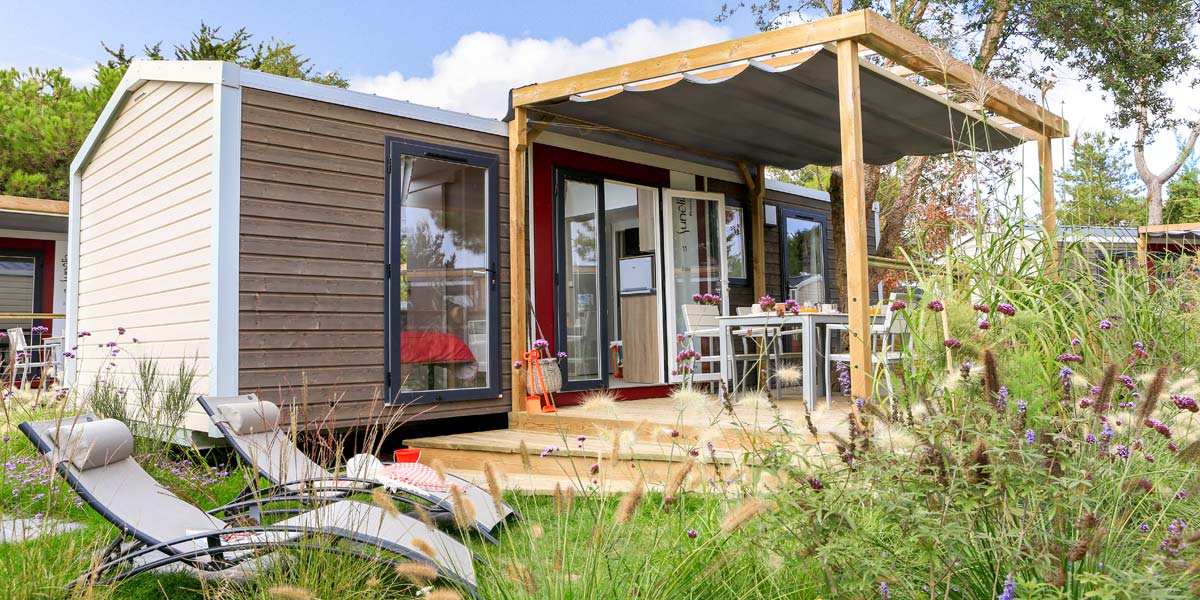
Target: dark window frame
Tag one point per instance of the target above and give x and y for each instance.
(397, 147)
(747, 246)
(786, 211)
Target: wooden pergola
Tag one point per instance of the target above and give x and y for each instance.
(1145, 232)
(851, 35)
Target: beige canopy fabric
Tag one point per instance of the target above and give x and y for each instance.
(780, 111)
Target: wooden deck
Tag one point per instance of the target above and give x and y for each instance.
(576, 446)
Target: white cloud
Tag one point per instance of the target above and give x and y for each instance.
(475, 75)
(81, 76)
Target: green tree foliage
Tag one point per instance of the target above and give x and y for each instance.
(1099, 185)
(275, 56)
(1134, 50)
(1183, 197)
(44, 118)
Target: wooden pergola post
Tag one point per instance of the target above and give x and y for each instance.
(1049, 216)
(858, 286)
(1143, 245)
(757, 184)
(518, 248)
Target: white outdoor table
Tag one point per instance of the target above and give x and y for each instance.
(808, 322)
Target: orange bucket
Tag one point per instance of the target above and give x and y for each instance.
(407, 455)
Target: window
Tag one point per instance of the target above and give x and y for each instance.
(442, 340)
(804, 256)
(735, 243)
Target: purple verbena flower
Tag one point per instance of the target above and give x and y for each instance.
(936, 306)
(884, 592)
(1187, 403)
(898, 305)
(983, 308)
(952, 343)
(517, 364)
(1067, 357)
(1105, 325)
(692, 533)
(562, 355)
(1006, 308)
(539, 343)
(1009, 591)
(984, 325)
(815, 483)
(1030, 436)
(1122, 451)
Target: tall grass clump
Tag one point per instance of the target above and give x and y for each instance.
(1043, 442)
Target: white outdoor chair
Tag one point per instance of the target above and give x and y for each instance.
(25, 357)
(773, 335)
(701, 323)
(885, 338)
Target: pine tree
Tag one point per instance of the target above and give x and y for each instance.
(1099, 185)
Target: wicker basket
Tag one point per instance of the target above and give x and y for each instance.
(550, 374)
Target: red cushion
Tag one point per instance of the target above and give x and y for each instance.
(422, 347)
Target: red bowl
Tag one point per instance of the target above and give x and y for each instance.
(407, 455)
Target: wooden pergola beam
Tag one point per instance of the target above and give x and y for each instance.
(33, 205)
(907, 49)
(785, 39)
(1144, 229)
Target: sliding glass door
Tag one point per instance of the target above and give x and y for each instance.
(442, 336)
(581, 286)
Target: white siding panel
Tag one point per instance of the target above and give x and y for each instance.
(145, 236)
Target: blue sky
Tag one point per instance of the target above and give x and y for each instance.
(359, 38)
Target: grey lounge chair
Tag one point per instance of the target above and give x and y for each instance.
(159, 530)
(252, 428)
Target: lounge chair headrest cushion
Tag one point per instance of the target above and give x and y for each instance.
(256, 416)
(94, 444)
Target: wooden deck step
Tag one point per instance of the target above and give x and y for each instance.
(545, 485)
(562, 455)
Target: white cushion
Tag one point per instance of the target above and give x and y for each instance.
(250, 417)
(94, 444)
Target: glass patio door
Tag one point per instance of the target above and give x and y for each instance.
(582, 290)
(696, 263)
(442, 340)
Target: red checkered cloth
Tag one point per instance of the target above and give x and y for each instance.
(415, 475)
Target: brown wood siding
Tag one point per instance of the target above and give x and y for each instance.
(312, 257)
(743, 295)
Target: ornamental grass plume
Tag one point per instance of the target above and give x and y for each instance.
(418, 573)
(423, 547)
(599, 402)
(678, 476)
(523, 450)
(290, 592)
(977, 465)
(1104, 398)
(564, 498)
(788, 375)
(630, 502)
(522, 576)
(991, 377)
(743, 514)
(438, 467)
(464, 509)
(444, 595)
(1153, 392)
(755, 399)
(424, 516)
(384, 501)
(493, 479)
